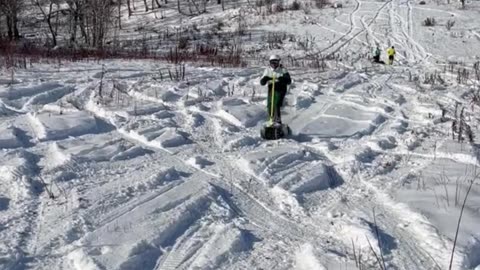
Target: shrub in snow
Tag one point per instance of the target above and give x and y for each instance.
(295, 5)
(422, 3)
(337, 5)
(450, 24)
(220, 25)
(183, 43)
(261, 3)
(321, 3)
(430, 21)
(277, 7)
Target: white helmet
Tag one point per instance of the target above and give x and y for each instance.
(274, 57)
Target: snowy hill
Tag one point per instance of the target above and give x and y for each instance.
(111, 165)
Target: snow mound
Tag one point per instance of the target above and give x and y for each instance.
(60, 126)
(173, 138)
(217, 87)
(55, 157)
(5, 110)
(305, 259)
(387, 143)
(303, 100)
(79, 260)
(48, 96)
(225, 240)
(240, 142)
(143, 255)
(13, 93)
(163, 115)
(144, 108)
(353, 113)
(15, 167)
(335, 127)
(132, 152)
(199, 162)
(337, 119)
(8, 137)
(170, 96)
(348, 82)
(99, 148)
(4, 203)
(438, 191)
(161, 178)
(296, 170)
(162, 218)
(243, 114)
(160, 134)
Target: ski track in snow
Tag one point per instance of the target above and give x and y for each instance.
(173, 175)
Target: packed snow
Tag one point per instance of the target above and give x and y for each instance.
(158, 173)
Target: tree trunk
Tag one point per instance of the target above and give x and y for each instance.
(16, 34)
(50, 26)
(83, 28)
(129, 8)
(119, 14)
(1, 27)
(9, 28)
(146, 5)
(73, 31)
(47, 17)
(12, 21)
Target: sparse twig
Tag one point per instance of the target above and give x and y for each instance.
(375, 254)
(459, 221)
(377, 233)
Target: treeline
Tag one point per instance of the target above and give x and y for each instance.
(85, 23)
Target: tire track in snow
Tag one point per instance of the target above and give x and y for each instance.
(404, 34)
(427, 246)
(371, 39)
(352, 27)
(405, 224)
(348, 33)
(25, 179)
(420, 245)
(394, 220)
(262, 218)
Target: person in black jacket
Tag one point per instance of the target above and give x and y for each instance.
(277, 77)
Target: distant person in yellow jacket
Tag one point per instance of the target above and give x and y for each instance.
(391, 55)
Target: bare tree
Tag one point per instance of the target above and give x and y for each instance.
(155, 2)
(119, 3)
(11, 9)
(146, 5)
(92, 17)
(77, 20)
(100, 14)
(47, 16)
(129, 8)
(1, 26)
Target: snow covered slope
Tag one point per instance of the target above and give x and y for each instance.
(153, 173)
